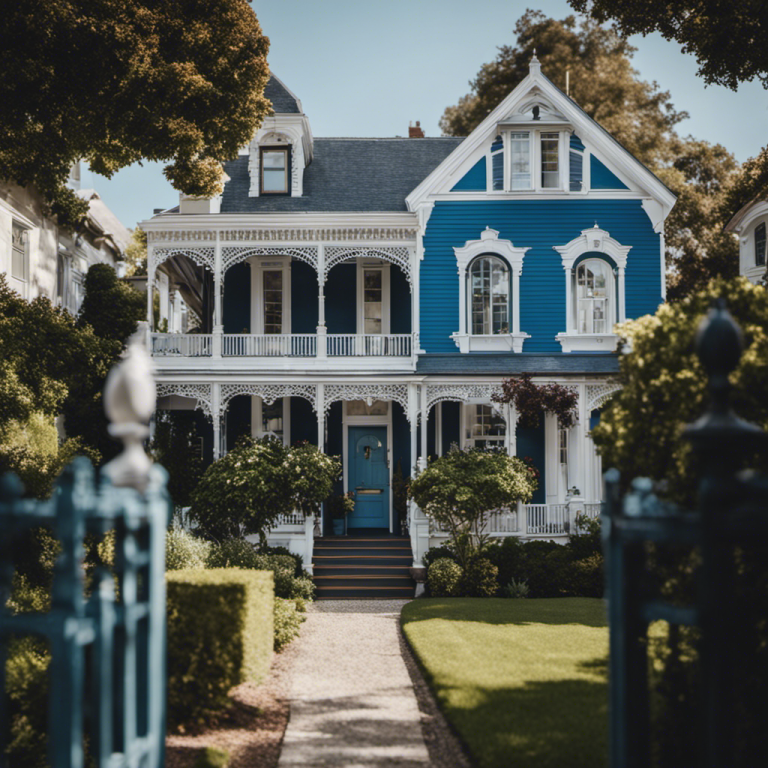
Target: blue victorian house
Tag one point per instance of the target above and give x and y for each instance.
(370, 295)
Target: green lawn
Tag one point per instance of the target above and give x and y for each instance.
(524, 682)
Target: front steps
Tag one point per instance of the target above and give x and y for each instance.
(362, 567)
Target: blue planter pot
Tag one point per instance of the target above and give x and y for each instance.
(338, 527)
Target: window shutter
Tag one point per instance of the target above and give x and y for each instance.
(497, 163)
(576, 170)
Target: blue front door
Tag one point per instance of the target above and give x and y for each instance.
(368, 476)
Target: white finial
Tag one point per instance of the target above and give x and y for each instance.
(129, 402)
(534, 67)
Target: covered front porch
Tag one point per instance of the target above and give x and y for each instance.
(385, 431)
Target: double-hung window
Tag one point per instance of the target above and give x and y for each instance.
(274, 171)
(273, 300)
(489, 296)
(593, 297)
(550, 160)
(760, 240)
(520, 153)
(19, 261)
(484, 428)
(534, 160)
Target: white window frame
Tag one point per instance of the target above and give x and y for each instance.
(257, 411)
(285, 151)
(363, 266)
(21, 284)
(260, 265)
(598, 242)
(489, 244)
(609, 299)
(469, 420)
(534, 155)
(470, 312)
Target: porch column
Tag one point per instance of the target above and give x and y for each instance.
(216, 408)
(150, 294)
(424, 423)
(511, 419)
(322, 338)
(568, 301)
(218, 324)
(413, 418)
(622, 300)
(320, 401)
(415, 304)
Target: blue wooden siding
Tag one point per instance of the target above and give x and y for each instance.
(540, 225)
(303, 298)
(531, 443)
(400, 301)
(602, 178)
(474, 180)
(236, 306)
(341, 299)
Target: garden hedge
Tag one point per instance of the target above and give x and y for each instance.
(220, 634)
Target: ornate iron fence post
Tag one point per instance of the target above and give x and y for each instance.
(732, 510)
(119, 701)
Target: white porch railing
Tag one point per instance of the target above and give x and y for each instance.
(547, 518)
(369, 345)
(503, 521)
(182, 344)
(592, 510)
(269, 345)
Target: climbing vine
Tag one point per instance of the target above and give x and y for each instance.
(531, 399)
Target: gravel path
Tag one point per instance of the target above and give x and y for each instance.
(352, 699)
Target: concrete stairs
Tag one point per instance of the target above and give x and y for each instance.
(363, 566)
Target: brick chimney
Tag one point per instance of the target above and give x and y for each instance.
(415, 132)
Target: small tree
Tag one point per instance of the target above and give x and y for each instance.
(245, 492)
(458, 489)
(531, 399)
(312, 475)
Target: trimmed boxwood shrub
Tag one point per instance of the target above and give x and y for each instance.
(443, 578)
(220, 634)
(288, 619)
(480, 579)
(438, 553)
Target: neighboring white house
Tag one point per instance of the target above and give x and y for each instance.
(750, 224)
(41, 259)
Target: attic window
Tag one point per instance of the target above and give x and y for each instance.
(274, 171)
(760, 245)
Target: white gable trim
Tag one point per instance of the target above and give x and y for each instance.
(593, 240)
(626, 166)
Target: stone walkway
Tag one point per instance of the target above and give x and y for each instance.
(352, 700)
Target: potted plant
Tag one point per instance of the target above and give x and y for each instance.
(340, 506)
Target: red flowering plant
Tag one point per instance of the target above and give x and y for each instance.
(531, 399)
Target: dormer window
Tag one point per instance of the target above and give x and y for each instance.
(274, 171)
(550, 167)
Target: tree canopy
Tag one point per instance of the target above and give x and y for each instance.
(117, 81)
(664, 386)
(726, 38)
(639, 115)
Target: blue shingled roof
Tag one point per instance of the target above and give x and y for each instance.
(346, 175)
(512, 364)
(283, 101)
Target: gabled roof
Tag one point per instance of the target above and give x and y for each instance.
(283, 100)
(584, 126)
(346, 175)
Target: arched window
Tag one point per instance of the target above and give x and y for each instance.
(594, 297)
(488, 296)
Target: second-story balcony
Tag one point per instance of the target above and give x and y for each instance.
(315, 350)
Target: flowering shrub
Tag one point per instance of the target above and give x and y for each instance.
(458, 489)
(245, 492)
(531, 399)
(184, 551)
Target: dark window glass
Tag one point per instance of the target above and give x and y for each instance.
(760, 245)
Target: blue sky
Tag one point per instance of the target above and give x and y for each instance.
(368, 68)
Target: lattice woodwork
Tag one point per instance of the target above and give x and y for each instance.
(396, 392)
(203, 257)
(269, 392)
(437, 393)
(201, 392)
(231, 255)
(398, 254)
(599, 394)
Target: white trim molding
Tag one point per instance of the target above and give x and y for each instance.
(593, 240)
(489, 243)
